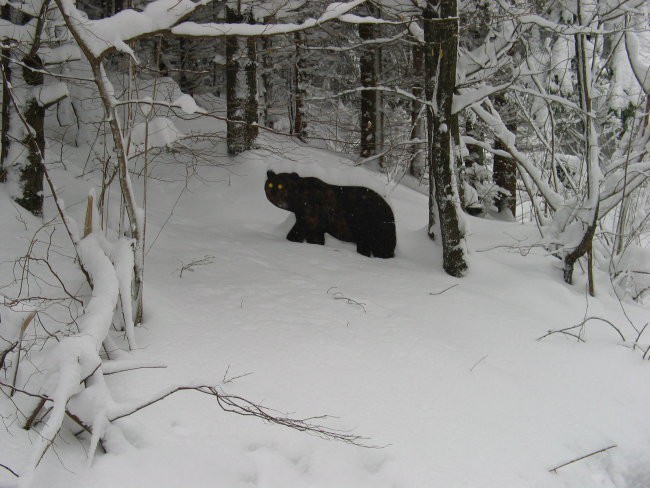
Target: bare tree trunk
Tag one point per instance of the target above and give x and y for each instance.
(418, 166)
(592, 152)
(183, 58)
(5, 14)
(369, 112)
(31, 174)
(441, 51)
(505, 169)
(234, 104)
(267, 78)
(241, 89)
(252, 104)
(299, 122)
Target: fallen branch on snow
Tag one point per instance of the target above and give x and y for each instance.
(554, 470)
(578, 336)
(10, 470)
(339, 296)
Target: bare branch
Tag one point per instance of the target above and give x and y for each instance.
(554, 470)
(10, 470)
(580, 325)
(339, 296)
(241, 406)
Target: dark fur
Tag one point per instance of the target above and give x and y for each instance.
(349, 213)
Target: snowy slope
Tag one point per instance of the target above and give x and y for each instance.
(444, 377)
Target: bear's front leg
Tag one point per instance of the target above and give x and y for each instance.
(316, 237)
(364, 248)
(296, 234)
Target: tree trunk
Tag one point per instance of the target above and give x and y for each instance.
(369, 101)
(505, 169)
(267, 78)
(252, 104)
(418, 164)
(592, 152)
(31, 174)
(241, 89)
(183, 55)
(441, 39)
(5, 14)
(299, 122)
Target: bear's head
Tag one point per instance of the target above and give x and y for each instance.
(281, 188)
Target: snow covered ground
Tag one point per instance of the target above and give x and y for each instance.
(445, 378)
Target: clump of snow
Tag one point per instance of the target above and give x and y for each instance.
(158, 132)
(640, 66)
(187, 104)
(633, 272)
(48, 94)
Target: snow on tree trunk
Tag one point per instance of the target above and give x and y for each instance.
(505, 168)
(418, 164)
(5, 14)
(106, 93)
(441, 51)
(267, 76)
(241, 88)
(369, 97)
(584, 52)
(299, 122)
(31, 172)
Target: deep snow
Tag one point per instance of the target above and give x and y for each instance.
(444, 377)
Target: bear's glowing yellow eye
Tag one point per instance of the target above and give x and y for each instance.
(270, 185)
(280, 186)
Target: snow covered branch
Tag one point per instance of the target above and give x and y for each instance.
(166, 16)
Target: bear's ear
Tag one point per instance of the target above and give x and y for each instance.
(269, 174)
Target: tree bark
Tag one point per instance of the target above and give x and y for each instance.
(183, 55)
(504, 170)
(31, 174)
(241, 89)
(299, 122)
(5, 14)
(418, 164)
(252, 104)
(267, 77)
(592, 155)
(369, 109)
(441, 51)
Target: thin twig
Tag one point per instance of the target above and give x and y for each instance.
(5, 353)
(205, 260)
(554, 470)
(441, 292)
(160, 366)
(23, 328)
(32, 418)
(477, 363)
(227, 380)
(10, 470)
(339, 296)
(582, 324)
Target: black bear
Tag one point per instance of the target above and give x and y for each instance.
(348, 213)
